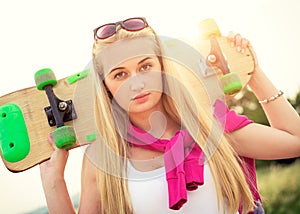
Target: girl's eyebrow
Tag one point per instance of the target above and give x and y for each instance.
(143, 60)
(117, 68)
(140, 62)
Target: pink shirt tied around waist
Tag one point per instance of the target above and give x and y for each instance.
(184, 159)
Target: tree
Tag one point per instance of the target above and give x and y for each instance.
(247, 104)
(296, 102)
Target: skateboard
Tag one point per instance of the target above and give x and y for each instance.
(233, 68)
(65, 107)
(27, 117)
(218, 67)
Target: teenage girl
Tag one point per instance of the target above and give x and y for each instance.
(160, 149)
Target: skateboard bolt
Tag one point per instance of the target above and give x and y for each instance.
(51, 122)
(212, 58)
(62, 106)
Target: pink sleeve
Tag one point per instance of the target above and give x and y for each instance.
(229, 118)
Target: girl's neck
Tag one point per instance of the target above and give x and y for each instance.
(158, 123)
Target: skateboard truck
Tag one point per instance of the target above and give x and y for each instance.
(66, 111)
(58, 112)
(216, 58)
(231, 82)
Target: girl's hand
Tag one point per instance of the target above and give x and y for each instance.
(54, 185)
(241, 44)
(55, 166)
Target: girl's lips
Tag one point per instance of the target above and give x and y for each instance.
(139, 96)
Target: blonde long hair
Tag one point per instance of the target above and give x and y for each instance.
(185, 105)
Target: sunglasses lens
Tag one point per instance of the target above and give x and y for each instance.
(106, 31)
(134, 24)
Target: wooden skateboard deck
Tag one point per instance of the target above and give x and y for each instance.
(23, 152)
(24, 125)
(219, 67)
(214, 46)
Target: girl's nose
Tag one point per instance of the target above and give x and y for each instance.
(137, 83)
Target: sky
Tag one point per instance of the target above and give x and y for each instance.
(59, 34)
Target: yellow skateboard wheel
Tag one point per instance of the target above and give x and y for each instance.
(208, 28)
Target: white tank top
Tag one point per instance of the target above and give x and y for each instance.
(149, 193)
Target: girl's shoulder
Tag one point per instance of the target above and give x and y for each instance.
(229, 119)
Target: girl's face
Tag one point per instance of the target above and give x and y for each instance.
(136, 84)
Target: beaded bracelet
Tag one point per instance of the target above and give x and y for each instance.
(272, 98)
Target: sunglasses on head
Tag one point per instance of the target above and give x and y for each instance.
(132, 24)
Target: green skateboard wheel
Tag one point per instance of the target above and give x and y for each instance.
(231, 83)
(14, 140)
(64, 137)
(44, 77)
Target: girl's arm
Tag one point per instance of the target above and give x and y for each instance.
(54, 185)
(282, 139)
(55, 189)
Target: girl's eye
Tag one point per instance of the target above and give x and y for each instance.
(146, 67)
(120, 75)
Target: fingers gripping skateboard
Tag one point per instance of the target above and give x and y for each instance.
(58, 112)
(230, 81)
